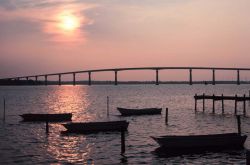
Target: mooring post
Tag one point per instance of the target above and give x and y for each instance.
(239, 124)
(222, 103)
(213, 77)
(235, 105)
(213, 104)
(47, 126)
(89, 78)
(107, 106)
(115, 77)
(74, 78)
(244, 105)
(203, 102)
(157, 77)
(249, 96)
(4, 109)
(190, 77)
(195, 102)
(166, 116)
(46, 79)
(59, 81)
(238, 77)
(122, 141)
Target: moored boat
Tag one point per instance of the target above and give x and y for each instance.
(226, 140)
(89, 127)
(58, 117)
(143, 111)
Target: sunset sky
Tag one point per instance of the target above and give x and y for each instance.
(48, 36)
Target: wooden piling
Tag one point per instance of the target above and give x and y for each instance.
(107, 106)
(195, 103)
(203, 101)
(166, 116)
(222, 104)
(244, 105)
(235, 105)
(47, 127)
(122, 141)
(213, 104)
(4, 106)
(239, 124)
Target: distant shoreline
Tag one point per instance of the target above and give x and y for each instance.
(32, 82)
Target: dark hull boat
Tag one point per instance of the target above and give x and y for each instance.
(193, 142)
(96, 126)
(145, 111)
(47, 117)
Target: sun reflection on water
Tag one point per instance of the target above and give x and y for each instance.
(69, 149)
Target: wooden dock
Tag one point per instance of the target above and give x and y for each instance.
(221, 98)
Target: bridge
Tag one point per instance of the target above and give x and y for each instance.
(116, 70)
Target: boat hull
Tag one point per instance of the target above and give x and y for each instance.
(47, 117)
(145, 111)
(96, 127)
(229, 140)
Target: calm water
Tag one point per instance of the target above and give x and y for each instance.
(27, 143)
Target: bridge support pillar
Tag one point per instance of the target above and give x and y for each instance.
(46, 79)
(27, 78)
(190, 77)
(74, 79)
(238, 77)
(89, 78)
(116, 77)
(157, 77)
(36, 77)
(59, 79)
(213, 79)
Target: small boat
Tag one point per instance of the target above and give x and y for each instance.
(193, 142)
(59, 117)
(144, 111)
(90, 127)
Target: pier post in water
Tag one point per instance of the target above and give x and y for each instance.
(74, 78)
(238, 124)
(115, 77)
(190, 77)
(238, 77)
(157, 77)
(213, 77)
(195, 103)
(222, 103)
(107, 106)
(213, 104)
(122, 141)
(166, 116)
(47, 126)
(89, 73)
(203, 102)
(235, 105)
(244, 105)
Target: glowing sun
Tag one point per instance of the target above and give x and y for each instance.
(69, 22)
